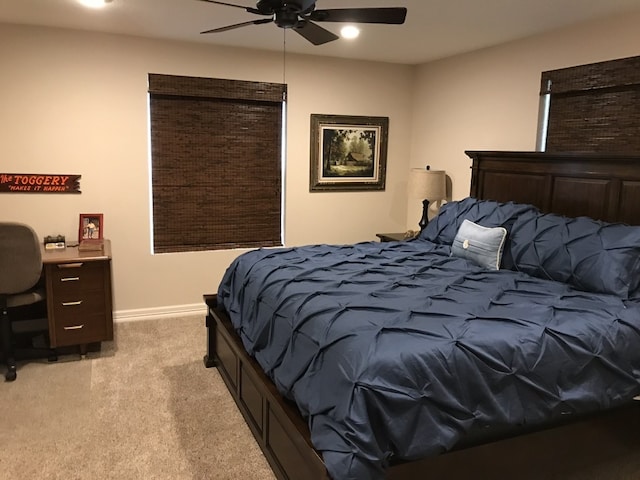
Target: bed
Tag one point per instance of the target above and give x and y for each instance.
(392, 360)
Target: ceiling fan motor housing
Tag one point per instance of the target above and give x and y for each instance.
(285, 19)
(298, 7)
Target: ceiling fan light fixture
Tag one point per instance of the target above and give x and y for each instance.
(94, 3)
(349, 32)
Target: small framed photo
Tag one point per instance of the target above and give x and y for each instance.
(91, 227)
(348, 153)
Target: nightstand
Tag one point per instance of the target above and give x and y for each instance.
(392, 237)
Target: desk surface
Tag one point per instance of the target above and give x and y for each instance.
(73, 254)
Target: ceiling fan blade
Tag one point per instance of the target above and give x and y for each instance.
(238, 25)
(390, 16)
(315, 33)
(247, 9)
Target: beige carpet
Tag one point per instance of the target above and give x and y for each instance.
(146, 408)
(142, 408)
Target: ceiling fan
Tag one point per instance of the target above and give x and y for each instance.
(300, 16)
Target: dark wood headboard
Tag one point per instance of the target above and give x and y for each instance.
(604, 187)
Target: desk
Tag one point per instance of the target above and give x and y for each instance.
(78, 289)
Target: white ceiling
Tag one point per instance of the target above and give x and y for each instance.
(434, 28)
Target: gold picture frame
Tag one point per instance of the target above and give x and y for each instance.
(348, 153)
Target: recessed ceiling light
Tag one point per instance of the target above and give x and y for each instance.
(349, 31)
(95, 3)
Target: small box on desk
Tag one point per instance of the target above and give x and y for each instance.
(51, 242)
(91, 245)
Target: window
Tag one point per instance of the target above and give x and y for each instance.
(216, 163)
(593, 108)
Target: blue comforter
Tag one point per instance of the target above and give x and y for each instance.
(398, 350)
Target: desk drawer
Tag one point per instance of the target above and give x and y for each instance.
(80, 318)
(74, 305)
(76, 330)
(73, 278)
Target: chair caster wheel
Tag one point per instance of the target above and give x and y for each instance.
(11, 375)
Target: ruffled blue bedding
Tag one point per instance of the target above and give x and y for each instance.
(400, 351)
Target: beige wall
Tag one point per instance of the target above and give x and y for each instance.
(488, 100)
(75, 102)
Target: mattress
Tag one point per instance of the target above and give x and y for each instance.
(399, 350)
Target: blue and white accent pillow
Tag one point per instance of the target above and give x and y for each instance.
(481, 245)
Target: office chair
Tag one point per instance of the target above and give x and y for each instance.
(20, 270)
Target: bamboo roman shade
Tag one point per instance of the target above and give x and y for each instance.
(216, 148)
(594, 108)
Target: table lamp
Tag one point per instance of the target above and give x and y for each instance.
(424, 184)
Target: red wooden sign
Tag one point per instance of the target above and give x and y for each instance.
(39, 183)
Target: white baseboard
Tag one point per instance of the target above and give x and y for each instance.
(159, 312)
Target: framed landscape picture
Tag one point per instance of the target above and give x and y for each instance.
(348, 153)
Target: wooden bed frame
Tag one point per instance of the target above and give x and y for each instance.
(605, 187)
(600, 186)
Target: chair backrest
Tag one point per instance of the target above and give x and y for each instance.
(20, 258)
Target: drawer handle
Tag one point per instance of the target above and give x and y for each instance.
(70, 265)
(74, 327)
(70, 279)
(71, 304)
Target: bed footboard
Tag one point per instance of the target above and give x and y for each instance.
(275, 422)
(568, 450)
(210, 357)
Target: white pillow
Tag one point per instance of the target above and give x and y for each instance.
(482, 245)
